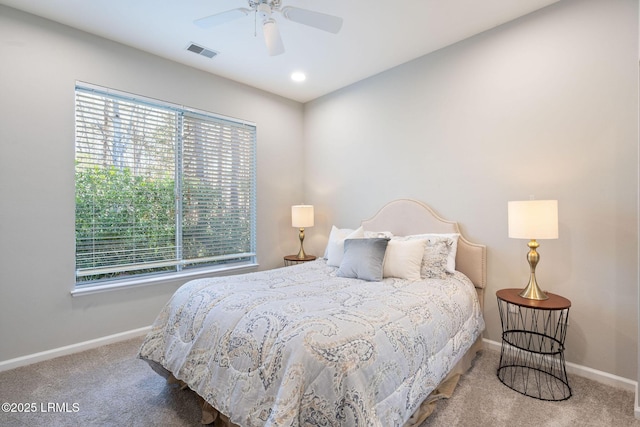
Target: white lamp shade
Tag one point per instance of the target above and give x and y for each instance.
(533, 219)
(302, 216)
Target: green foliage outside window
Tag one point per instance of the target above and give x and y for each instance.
(132, 219)
(129, 217)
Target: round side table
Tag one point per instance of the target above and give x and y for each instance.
(532, 355)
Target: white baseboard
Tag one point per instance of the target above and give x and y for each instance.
(592, 374)
(636, 409)
(70, 349)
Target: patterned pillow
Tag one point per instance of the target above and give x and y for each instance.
(380, 234)
(436, 254)
(363, 259)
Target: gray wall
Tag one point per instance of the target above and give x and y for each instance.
(544, 106)
(40, 62)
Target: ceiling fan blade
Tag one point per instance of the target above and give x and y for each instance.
(221, 18)
(317, 20)
(272, 37)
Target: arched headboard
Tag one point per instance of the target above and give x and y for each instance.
(405, 217)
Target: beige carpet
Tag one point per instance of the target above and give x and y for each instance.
(108, 386)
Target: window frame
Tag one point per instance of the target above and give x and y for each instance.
(246, 260)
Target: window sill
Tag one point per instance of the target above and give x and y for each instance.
(153, 280)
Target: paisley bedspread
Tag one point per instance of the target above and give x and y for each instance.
(298, 346)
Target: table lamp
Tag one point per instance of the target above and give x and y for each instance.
(533, 219)
(301, 217)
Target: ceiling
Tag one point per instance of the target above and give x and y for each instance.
(375, 35)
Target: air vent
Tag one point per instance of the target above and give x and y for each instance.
(201, 50)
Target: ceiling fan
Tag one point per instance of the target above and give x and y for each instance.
(264, 9)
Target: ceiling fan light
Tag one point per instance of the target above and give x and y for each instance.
(264, 10)
(272, 37)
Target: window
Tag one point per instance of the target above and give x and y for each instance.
(159, 188)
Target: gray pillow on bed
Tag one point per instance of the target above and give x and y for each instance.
(363, 259)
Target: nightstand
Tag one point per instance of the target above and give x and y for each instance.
(293, 259)
(532, 356)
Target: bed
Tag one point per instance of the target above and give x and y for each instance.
(325, 343)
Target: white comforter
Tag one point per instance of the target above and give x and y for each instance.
(298, 346)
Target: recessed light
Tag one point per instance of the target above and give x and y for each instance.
(298, 76)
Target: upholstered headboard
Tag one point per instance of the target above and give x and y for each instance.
(404, 217)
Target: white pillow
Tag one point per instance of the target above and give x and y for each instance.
(452, 244)
(335, 246)
(404, 258)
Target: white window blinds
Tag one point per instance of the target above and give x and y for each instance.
(159, 188)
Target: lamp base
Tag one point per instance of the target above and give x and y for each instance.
(301, 254)
(533, 291)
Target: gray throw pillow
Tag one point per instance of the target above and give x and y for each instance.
(363, 259)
